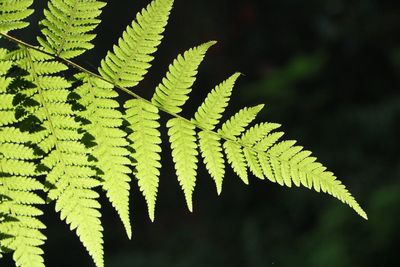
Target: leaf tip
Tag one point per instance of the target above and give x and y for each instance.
(211, 43)
(363, 214)
(151, 216)
(219, 190)
(237, 75)
(128, 233)
(190, 206)
(207, 45)
(259, 107)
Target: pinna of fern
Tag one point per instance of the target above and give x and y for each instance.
(20, 228)
(67, 26)
(13, 13)
(125, 141)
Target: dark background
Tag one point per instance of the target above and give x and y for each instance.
(329, 71)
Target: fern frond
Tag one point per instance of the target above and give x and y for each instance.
(285, 163)
(210, 112)
(207, 117)
(173, 92)
(231, 129)
(7, 110)
(257, 133)
(20, 224)
(79, 207)
(282, 162)
(80, 141)
(145, 141)
(238, 122)
(253, 163)
(268, 141)
(130, 60)
(110, 151)
(13, 13)
(184, 153)
(65, 159)
(236, 159)
(211, 151)
(67, 26)
(252, 136)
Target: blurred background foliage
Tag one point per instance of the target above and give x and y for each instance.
(329, 71)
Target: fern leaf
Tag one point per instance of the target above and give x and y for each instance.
(67, 26)
(257, 133)
(184, 153)
(268, 141)
(145, 138)
(251, 137)
(13, 13)
(20, 224)
(276, 151)
(173, 92)
(210, 112)
(207, 117)
(211, 151)
(110, 151)
(236, 159)
(284, 163)
(79, 207)
(237, 123)
(253, 163)
(130, 60)
(7, 110)
(68, 170)
(46, 130)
